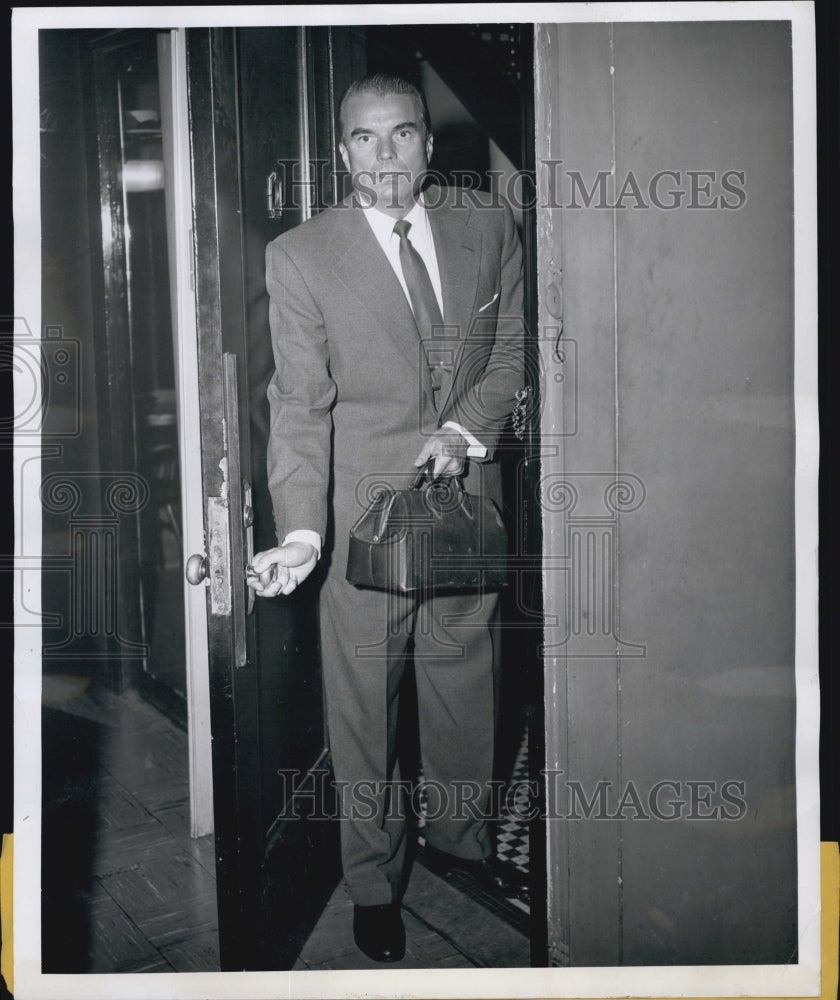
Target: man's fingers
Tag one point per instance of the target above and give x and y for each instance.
(449, 469)
(436, 448)
(263, 561)
(290, 554)
(296, 554)
(448, 448)
(446, 464)
(269, 582)
(280, 570)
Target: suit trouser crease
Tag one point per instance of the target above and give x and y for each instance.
(365, 635)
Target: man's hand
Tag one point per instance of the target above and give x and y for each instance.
(449, 450)
(280, 570)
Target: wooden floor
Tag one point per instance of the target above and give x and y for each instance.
(150, 891)
(145, 894)
(443, 929)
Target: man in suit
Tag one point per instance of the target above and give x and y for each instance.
(396, 323)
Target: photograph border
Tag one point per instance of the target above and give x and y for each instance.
(801, 979)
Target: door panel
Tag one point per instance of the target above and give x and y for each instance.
(253, 117)
(274, 113)
(215, 197)
(716, 531)
(673, 658)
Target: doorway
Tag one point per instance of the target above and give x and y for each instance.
(264, 152)
(275, 92)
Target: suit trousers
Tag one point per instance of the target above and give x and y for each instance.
(366, 637)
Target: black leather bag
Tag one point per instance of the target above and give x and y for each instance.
(432, 536)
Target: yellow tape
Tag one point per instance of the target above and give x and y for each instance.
(830, 919)
(6, 953)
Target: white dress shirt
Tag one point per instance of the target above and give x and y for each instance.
(421, 238)
(423, 242)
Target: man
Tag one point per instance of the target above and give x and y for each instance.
(396, 322)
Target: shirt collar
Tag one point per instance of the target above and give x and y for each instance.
(383, 225)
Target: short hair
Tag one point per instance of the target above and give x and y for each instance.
(383, 84)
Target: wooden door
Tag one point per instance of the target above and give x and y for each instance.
(257, 119)
(666, 296)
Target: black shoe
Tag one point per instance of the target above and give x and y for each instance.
(379, 931)
(492, 875)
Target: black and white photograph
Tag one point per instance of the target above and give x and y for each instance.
(416, 456)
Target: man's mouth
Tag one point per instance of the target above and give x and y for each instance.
(392, 176)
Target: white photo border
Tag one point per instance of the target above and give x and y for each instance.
(801, 979)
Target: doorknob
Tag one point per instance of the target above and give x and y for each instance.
(196, 570)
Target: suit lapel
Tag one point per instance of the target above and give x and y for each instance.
(458, 250)
(361, 264)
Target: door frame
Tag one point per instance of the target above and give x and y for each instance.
(172, 61)
(118, 448)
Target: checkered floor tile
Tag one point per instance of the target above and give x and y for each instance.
(511, 842)
(512, 832)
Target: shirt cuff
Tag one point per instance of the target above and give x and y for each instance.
(476, 449)
(305, 535)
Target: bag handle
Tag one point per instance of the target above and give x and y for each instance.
(427, 470)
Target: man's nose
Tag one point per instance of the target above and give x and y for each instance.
(386, 150)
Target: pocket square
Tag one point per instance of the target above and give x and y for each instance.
(490, 303)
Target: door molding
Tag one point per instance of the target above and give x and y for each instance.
(172, 60)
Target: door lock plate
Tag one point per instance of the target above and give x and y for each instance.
(218, 557)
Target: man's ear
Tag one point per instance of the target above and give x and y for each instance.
(343, 150)
(430, 143)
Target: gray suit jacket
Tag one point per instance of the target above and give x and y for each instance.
(351, 399)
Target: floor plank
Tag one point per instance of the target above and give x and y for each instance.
(148, 891)
(469, 926)
(443, 927)
(198, 953)
(117, 944)
(119, 849)
(169, 897)
(151, 895)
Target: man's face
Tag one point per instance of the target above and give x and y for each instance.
(386, 149)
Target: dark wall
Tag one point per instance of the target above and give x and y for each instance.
(70, 450)
(70, 439)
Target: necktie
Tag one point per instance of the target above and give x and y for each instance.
(424, 303)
